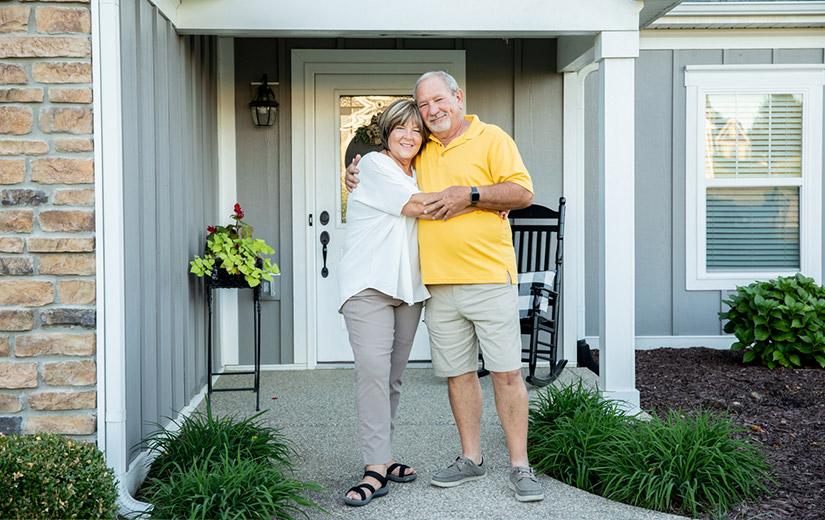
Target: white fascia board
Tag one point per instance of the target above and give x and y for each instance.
(167, 8)
(743, 14)
(370, 18)
(683, 39)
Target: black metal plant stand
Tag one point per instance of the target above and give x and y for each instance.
(221, 280)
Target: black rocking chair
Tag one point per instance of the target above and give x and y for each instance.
(538, 234)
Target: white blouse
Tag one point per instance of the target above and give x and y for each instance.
(381, 246)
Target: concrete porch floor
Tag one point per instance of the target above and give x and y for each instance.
(316, 410)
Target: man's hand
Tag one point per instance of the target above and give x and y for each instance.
(447, 203)
(350, 178)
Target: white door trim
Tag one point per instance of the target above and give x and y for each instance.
(306, 64)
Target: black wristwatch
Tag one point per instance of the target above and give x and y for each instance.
(474, 196)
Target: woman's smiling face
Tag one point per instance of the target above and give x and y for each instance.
(404, 142)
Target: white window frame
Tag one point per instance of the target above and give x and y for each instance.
(700, 80)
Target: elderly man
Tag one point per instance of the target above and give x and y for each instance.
(469, 267)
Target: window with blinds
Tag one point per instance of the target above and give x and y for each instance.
(753, 172)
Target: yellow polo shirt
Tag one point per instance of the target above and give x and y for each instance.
(476, 247)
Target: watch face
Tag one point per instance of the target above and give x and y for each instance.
(474, 196)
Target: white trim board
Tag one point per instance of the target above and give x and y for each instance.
(722, 342)
(306, 65)
(677, 39)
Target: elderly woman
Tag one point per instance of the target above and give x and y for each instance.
(382, 290)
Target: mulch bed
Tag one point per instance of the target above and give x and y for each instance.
(782, 409)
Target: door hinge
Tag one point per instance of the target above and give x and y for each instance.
(310, 219)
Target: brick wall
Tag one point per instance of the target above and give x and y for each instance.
(47, 240)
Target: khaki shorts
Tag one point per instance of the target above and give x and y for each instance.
(459, 318)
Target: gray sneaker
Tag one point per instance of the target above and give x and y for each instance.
(461, 471)
(525, 484)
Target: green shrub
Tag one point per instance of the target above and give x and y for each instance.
(50, 476)
(571, 429)
(229, 487)
(224, 468)
(779, 322)
(692, 465)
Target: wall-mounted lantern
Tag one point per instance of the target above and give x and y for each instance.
(264, 108)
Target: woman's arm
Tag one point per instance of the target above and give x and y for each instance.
(416, 208)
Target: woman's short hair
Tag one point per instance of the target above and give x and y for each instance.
(397, 114)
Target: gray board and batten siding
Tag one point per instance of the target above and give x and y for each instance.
(513, 84)
(663, 306)
(169, 179)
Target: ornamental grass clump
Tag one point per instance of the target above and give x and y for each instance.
(696, 465)
(49, 476)
(779, 322)
(224, 467)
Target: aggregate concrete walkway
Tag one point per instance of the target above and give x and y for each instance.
(315, 408)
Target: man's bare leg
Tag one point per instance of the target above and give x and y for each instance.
(466, 403)
(512, 407)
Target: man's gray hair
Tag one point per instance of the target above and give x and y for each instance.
(448, 80)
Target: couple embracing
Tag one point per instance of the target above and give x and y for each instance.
(437, 191)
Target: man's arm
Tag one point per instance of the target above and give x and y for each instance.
(350, 178)
(416, 208)
(455, 200)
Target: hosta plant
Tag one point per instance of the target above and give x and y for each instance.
(233, 249)
(779, 322)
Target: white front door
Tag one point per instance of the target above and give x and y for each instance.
(343, 103)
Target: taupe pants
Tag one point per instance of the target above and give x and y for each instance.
(381, 333)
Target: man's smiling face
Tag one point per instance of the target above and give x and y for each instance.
(440, 108)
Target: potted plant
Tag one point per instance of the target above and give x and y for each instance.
(236, 253)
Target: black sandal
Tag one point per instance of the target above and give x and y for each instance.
(380, 492)
(402, 476)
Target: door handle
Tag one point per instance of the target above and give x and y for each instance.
(324, 241)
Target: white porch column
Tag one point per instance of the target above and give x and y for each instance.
(616, 53)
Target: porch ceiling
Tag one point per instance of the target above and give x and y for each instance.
(426, 18)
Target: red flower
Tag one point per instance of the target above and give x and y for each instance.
(211, 229)
(238, 211)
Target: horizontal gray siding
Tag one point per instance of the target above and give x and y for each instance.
(512, 84)
(663, 306)
(169, 167)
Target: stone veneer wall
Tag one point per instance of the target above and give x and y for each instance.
(47, 235)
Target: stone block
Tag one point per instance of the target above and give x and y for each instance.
(84, 318)
(13, 320)
(60, 245)
(71, 264)
(74, 198)
(19, 266)
(18, 375)
(20, 147)
(70, 95)
(12, 171)
(16, 221)
(26, 293)
(67, 221)
(76, 292)
(45, 47)
(62, 400)
(63, 171)
(23, 197)
(11, 245)
(5, 346)
(10, 403)
(10, 425)
(74, 145)
(69, 373)
(62, 424)
(54, 344)
(21, 95)
(61, 20)
(62, 72)
(11, 74)
(14, 19)
(64, 119)
(15, 120)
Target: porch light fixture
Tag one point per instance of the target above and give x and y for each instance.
(264, 108)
